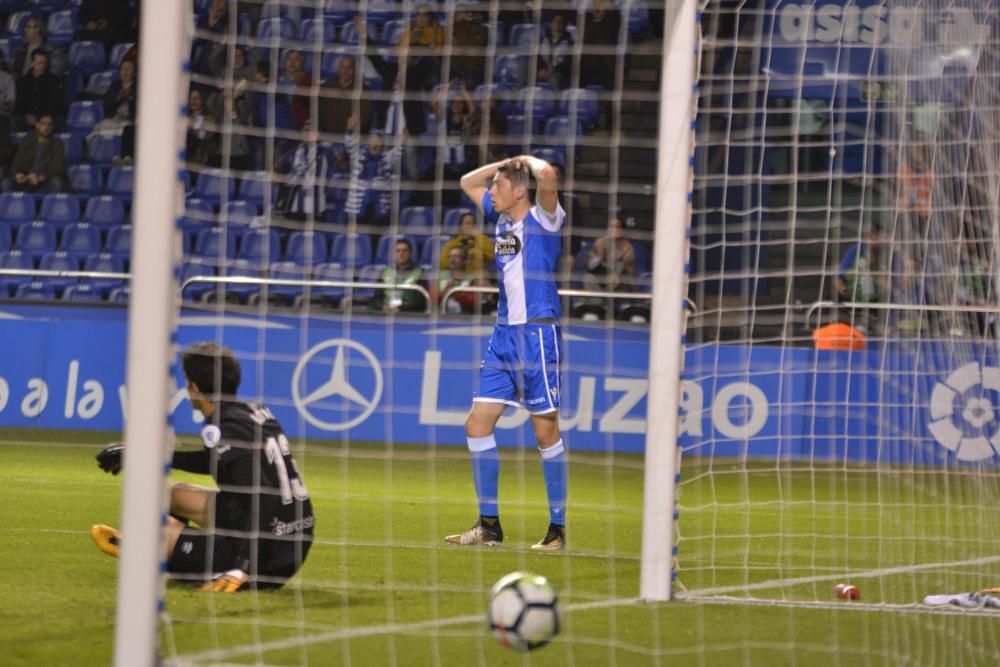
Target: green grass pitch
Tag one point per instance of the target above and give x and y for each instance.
(380, 587)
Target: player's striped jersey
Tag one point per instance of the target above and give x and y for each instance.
(527, 256)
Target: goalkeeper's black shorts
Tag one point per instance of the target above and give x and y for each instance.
(276, 560)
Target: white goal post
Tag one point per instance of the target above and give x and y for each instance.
(151, 324)
(666, 349)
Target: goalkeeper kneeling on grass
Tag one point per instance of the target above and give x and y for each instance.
(255, 530)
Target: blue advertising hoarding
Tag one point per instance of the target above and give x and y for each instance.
(923, 403)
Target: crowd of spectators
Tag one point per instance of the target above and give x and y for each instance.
(347, 121)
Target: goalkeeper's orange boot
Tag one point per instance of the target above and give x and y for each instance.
(107, 539)
(227, 582)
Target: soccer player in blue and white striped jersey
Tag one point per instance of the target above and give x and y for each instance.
(521, 364)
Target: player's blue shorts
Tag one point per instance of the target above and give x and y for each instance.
(521, 367)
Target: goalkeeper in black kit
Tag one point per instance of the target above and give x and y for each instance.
(255, 530)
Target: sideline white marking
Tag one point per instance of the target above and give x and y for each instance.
(849, 606)
(864, 574)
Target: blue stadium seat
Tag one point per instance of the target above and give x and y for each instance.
(351, 250)
(45, 7)
(334, 9)
(16, 21)
(323, 29)
(15, 259)
(103, 263)
(417, 221)
(516, 125)
(86, 180)
(386, 247)
(348, 33)
(328, 64)
(83, 116)
(118, 52)
(72, 147)
(120, 294)
(392, 31)
(215, 243)
(329, 271)
(511, 70)
(196, 266)
(59, 261)
(81, 293)
(368, 274)
(86, 57)
(35, 290)
(306, 248)
(638, 16)
(274, 31)
(287, 270)
(198, 216)
(584, 101)
(430, 252)
(104, 211)
(35, 239)
(504, 93)
(60, 27)
(119, 242)
(72, 86)
(241, 268)
(452, 218)
(256, 188)
(524, 34)
(17, 208)
(238, 215)
(260, 246)
(381, 11)
(6, 238)
(102, 149)
(81, 239)
(120, 182)
(551, 155)
(99, 82)
(210, 186)
(642, 259)
(538, 101)
(562, 128)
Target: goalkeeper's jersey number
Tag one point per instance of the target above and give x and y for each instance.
(280, 456)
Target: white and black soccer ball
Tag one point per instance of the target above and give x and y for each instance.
(524, 612)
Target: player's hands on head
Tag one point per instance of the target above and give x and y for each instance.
(109, 459)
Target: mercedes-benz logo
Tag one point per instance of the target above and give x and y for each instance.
(338, 385)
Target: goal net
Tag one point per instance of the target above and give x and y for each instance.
(845, 173)
(323, 146)
(841, 372)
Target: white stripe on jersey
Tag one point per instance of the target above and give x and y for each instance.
(513, 281)
(545, 375)
(555, 339)
(550, 222)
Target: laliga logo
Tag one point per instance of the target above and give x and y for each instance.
(337, 385)
(975, 413)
